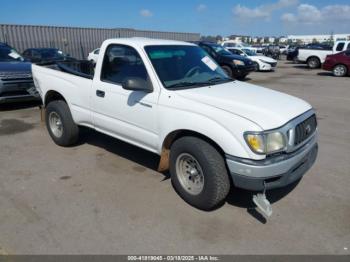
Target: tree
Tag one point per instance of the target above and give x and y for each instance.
(218, 38)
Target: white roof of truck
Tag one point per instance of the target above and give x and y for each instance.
(143, 41)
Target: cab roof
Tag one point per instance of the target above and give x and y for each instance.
(143, 41)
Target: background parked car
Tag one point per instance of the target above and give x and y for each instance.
(262, 63)
(39, 55)
(338, 63)
(93, 55)
(259, 48)
(272, 51)
(16, 82)
(234, 65)
(230, 44)
(283, 49)
(292, 53)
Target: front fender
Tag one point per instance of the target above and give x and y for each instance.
(228, 136)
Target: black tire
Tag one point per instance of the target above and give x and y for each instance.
(216, 183)
(313, 62)
(227, 70)
(257, 67)
(241, 77)
(69, 130)
(340, 70)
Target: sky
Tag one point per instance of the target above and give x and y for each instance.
(225, 17)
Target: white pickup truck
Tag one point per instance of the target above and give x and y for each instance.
(171, 98)
(314, 57)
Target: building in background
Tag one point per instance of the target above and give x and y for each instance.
(76, 41)
(306, 39)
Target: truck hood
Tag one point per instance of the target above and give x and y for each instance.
(267, 108)
(22, 67)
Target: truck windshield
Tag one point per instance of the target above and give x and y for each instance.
(7, 54)
(185, 66)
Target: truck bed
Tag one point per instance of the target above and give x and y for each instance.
(82, 68)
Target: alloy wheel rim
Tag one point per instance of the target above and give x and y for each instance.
(190, 174)
(55, 123)
(339, 71)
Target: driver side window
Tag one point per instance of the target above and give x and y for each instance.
(122, 62)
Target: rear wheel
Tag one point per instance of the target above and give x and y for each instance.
(227, 70)
(340, 70)
(198, 173)
(313, 62)
(60, 124)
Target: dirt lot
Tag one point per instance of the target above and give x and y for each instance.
(104, 196)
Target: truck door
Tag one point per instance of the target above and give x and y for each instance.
(125, 114)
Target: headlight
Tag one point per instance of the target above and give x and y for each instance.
(265, 143)
(238, 62)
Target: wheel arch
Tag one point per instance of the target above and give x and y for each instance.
(53, 95)
(313, 56)
(175, 135)
(347, 67)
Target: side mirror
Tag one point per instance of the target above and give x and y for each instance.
(137, 84)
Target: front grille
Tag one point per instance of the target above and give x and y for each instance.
(305, 129)
(273, 64)
(10, 76)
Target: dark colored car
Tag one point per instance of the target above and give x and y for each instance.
(272, 51)
(16, 82)
(235, 66)
(42, 55)
(338, 63)
(292, 53)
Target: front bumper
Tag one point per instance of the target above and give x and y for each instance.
(328, 66)
(14, 91)
(243, 70)
(267, 66)
(273, 173)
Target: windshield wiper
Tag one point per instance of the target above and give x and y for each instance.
(219, 79)
(213, 80)
(183, 84)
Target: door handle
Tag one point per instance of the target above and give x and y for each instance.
(100, 93)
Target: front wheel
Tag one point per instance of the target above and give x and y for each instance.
(241, 77)
(227, 70)
(340, 70)
(198, 173)
(60, 124)
(257, 67)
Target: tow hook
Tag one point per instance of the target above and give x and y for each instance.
(262, 203)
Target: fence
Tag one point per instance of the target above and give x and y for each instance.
(77, 42)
